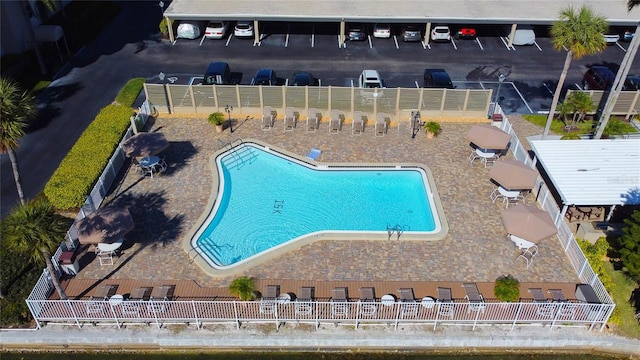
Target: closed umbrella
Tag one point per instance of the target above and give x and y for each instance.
(488, 137)
(513, 175)
(104, 225)
(145, 144)
(528, 222)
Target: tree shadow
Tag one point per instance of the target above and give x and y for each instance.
(177, 156)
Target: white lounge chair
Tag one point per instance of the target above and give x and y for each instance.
(290, 119)
(381, 124)
(335, 122)
(267, 118)
(357, 126)
(313, 121)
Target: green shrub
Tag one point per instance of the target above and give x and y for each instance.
(596, 254)
(507, 289)
(164, 28)
(72, 182)
(129, 93)
(243, 288)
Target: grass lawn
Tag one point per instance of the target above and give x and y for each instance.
(557, 126)
(628, 326)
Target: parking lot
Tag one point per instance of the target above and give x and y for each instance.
(531, 71)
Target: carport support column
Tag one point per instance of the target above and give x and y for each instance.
(512, 35)
(170, 28)
(427, 33)
(342, 36)
(256, 33)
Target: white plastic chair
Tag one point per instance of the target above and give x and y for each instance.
(528, 255)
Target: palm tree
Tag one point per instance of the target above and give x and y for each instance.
(17, 108)
(581, 34)
(618, 83)
(243, 288)
(34, 229)
(581, 104)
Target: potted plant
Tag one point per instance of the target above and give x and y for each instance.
(243, 288)
(432, 128)
(217, 119)
(507, 289)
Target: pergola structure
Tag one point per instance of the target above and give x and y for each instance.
(592, 172)
(428, 12)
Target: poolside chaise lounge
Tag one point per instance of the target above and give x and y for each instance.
(290, 119)
(566, 308)
(160, 295)
(381, 124)
(304, 301)
(335, 122)
(339, 301)
(473, 296)
(357, 126)
(98, 301)
(445, 303)
(133, 305)
(367, 301)
(267, 118)
(543, 306)
(269, 298)
(313, 120)
(409, 306)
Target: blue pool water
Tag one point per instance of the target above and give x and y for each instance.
(266, 199)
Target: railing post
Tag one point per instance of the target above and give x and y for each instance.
(515, 319)
(75, 316)
(235, 311)
(397, 314)
(195, 313)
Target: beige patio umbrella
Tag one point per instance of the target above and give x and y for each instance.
(488, 137)
(104, 225)
(145, 144)
(528, 222)
(513, 175)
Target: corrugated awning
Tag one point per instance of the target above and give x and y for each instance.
(592, 172)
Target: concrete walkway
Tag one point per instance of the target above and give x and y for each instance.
(303, 337)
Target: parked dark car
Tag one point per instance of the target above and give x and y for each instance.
(598, 78)
(411, 33)
(265, 77)
(632, 83)
(303, 78)
(357, 32)
(437, 78)
(218, 73)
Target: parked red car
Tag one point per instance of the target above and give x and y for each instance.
(466, 33)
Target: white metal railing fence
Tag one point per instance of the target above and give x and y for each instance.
(354, 313)
(198, 312)
(247, 100)
(565, 235)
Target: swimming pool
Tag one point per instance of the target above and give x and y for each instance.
(267, 199)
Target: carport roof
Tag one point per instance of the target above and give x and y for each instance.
(592, 172)
(450, 11)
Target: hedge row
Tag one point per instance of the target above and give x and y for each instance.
(72, 182)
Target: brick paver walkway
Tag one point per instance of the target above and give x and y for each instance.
(476, 249)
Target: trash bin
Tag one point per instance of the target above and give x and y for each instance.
(69, 262)
(585, 294)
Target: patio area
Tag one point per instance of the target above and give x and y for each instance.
(476, 249)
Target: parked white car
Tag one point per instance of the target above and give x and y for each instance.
(216, 30)
(440, 33)
(243, 29)
(382, 31)
(611, 39)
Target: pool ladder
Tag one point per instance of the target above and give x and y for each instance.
(397, 228)
(235, 153)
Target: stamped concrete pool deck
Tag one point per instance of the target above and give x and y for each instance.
(476, 249)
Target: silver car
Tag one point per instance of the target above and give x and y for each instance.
(411, 33)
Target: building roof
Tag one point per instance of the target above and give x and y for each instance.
(592, 172)
(450, 11)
